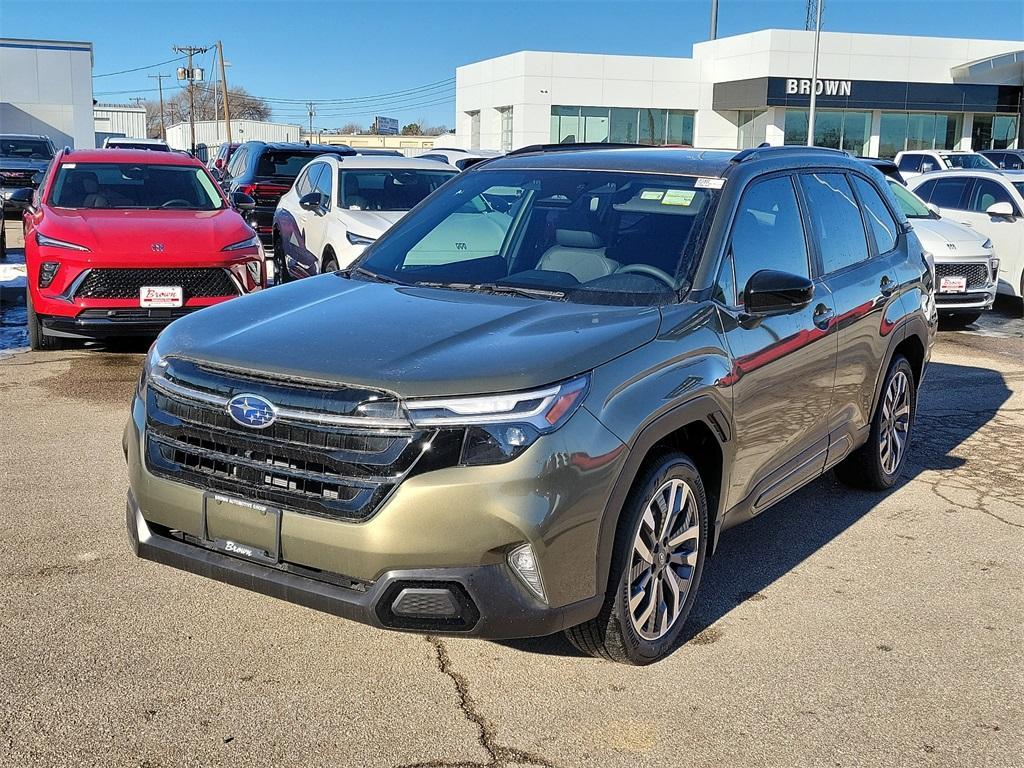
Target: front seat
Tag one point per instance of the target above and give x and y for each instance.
(93, 197)
(353, 199)
(579, 253)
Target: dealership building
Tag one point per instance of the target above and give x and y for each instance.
(876, 95)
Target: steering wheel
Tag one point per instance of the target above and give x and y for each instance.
(176, 203)
(647, 269)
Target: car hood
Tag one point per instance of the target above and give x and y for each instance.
(369, 223)
(411, 341)
(22, 164)
(121, 233)
(934, 235)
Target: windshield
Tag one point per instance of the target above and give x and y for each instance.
(585, 236)
(284, 163)
(388, 190)
(26, 149)
(913, 206)
(968, 161)
(128, 186)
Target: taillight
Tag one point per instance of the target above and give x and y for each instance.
(263, 190)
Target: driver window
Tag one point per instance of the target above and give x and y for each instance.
(767, 232)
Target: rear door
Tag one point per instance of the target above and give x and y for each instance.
(856, 247)
(783, 365)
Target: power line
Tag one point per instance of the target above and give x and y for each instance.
(139, 69)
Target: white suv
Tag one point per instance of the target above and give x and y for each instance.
(990, 202)
(339, 205)
(966, 267)
(915, 162)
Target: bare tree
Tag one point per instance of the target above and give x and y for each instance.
(209, 106)
(349, 129)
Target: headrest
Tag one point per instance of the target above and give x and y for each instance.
(577, 238)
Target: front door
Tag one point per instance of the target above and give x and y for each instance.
(1005, 232)
(783, 365)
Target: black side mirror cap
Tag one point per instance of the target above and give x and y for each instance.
(310, 201)
(242, 201)
(770, 292)
(23, 195)
(37, 177)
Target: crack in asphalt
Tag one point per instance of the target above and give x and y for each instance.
(499, 755)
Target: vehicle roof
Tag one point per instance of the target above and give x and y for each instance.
(684, 162)
(301, 145)
(134, 140)
(23, 136)
(983, 173)
(385, 162)
(938, 152)
(140, 156)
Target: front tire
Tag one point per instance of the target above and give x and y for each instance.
(330, 263)
(281, 275)
(657, 563)
(877, 464)
(38, 340)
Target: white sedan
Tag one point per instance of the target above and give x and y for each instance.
(993, 204)
(339, 205)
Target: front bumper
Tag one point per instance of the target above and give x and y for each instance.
(108, 323)
(490, 606)
(449, 527)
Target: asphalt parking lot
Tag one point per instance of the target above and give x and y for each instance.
(839, 628)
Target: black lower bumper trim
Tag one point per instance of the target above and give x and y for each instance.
(101, 323)
(500, 608)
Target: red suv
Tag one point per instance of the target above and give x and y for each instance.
(122, 242)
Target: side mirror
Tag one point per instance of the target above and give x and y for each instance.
(310, 201)
(22, 195)
(1002, 210)
(218, 163)
(37, 178)
(769, 292)
(927, 167)
(242, 201)
(932, 207)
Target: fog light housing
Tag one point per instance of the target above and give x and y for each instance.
(47, 271)
(523, 562)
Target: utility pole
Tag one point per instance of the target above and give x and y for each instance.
(714, 19)
(814, 77)
(312, 111)
(190, 75)
(224, 91)
(160, 87)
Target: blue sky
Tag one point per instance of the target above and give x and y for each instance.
(291, 49)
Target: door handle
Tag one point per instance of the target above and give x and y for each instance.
(822, 316)
(887, 286)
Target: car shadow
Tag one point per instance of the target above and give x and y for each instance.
(955, 402)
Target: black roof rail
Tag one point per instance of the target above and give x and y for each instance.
(754, 152)
(583, 145)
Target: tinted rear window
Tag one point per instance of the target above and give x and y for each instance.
(284, 163)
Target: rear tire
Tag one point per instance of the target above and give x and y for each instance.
(38, 340)
(656, 568)
(958, 320)
(877, 464)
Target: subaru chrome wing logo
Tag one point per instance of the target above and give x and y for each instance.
(252, 411)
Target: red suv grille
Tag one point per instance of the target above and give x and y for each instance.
(126, 283)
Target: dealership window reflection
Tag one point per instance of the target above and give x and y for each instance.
(621, 125)
(994, 132)
(899, 131)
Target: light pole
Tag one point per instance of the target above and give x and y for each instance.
(814, 76)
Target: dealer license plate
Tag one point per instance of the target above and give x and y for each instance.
(952, 285)
(160, 296)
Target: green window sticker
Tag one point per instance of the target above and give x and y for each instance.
(652, 194)
(678, 197)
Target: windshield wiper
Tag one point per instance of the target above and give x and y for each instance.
(495, 288)
(374, 276)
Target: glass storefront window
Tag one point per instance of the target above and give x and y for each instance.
(994, 132)
(834, 128)
(920, 131)
(621, 125)
(506, 128)
(892, 134)
(752, 128)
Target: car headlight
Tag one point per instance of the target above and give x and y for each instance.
(53, 242)
(251, 242)
(153, 362)
(987, 244)
(500, 427)
(355, 239)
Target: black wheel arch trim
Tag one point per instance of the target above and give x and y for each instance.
(705, 409)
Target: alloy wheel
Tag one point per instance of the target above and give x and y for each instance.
(664, 559)
(895, 425)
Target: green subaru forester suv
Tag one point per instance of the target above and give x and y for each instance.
(534, 404)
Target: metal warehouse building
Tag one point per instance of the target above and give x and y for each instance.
(877, 95)
(210, 134)
(46, 88)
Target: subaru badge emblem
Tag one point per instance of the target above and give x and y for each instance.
(158, 247)
(252, 411)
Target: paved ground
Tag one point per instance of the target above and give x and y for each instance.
(838, 629)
